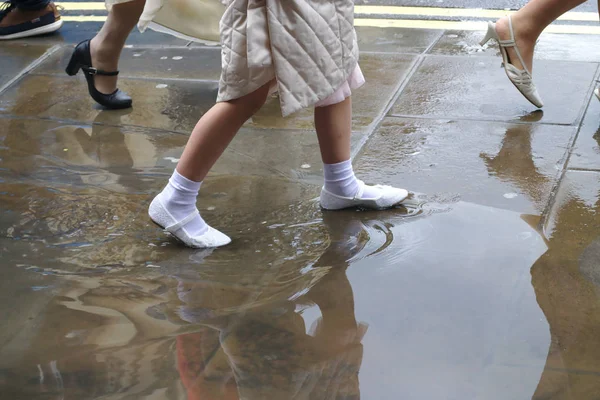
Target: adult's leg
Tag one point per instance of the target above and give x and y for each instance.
(108, 43)
(528, 24)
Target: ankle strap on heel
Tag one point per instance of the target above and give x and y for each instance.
(95, 71)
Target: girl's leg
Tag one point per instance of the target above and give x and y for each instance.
(334, 129)
(215, 130)
(528, 24)
(208, 141)
(107, 45)
(342, 189)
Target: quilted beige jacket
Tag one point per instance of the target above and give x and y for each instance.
(307, 48)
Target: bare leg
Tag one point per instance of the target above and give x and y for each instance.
(175, 207)
(107, 45)
(334, 129)
(528, 24)
(342, 189)
(215, 130)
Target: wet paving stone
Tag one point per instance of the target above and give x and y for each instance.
(383, 74)
(461, 43)
(468, 291)
(160, 103)
(464, 313)
(178, 105)
(390, 40)
(477, 88)
(74, 229)
(566, 284)
(134, 160)
(259, 152)
(511, 166)
(114, 158)
(586, 153)
(15, 57)
(549, 47)
(395, 40)
(253, 310)
(165, 62)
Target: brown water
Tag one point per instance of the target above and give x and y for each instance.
(436, 303)
(441, 299)
(485, 287)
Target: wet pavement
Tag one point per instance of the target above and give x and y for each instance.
(486, 285)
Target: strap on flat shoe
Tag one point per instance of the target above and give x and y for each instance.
(178, 225)
(360, 191)
(96, 71)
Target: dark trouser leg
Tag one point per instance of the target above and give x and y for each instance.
(31, 5)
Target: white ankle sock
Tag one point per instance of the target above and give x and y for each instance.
(340, 180)
(179, 198)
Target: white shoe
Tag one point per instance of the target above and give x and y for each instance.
(388, 196)
(163, 218)
(521, 78)
(597, 92)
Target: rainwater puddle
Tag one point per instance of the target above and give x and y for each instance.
(358, 303)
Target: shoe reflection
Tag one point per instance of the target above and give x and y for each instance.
(274, 350)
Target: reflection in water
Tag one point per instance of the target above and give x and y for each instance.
(232, 332)
(515, 162)
(567, 287)
(118, 311)
(268, 351)
(276, 315)
(98, 155)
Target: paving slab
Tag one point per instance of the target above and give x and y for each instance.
(549, 47)
(239, 293)
(174, 105)
(461, 284)
(566, 284)
(292, 154)
(453, 324)
(151, 62)
(588, 6)
(395, 40)
(512, 166)
(180, 104)
(390, 40)
(477, 88)
(15, 57)
(586, 153)
(138, 161)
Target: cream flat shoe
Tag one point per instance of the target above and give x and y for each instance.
(163, 218)
(521, 78)
(387, 197)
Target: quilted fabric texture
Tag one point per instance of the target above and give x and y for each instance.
(307, 48)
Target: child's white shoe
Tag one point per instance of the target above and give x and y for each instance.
(163, 218)
(388, 196)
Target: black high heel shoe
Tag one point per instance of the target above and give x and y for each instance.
(82, 59)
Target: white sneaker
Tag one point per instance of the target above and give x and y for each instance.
(521, 78)
(163, 218)
(388, 197)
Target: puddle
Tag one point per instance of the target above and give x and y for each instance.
(464, 294)
(321, 304)
(100, 303)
